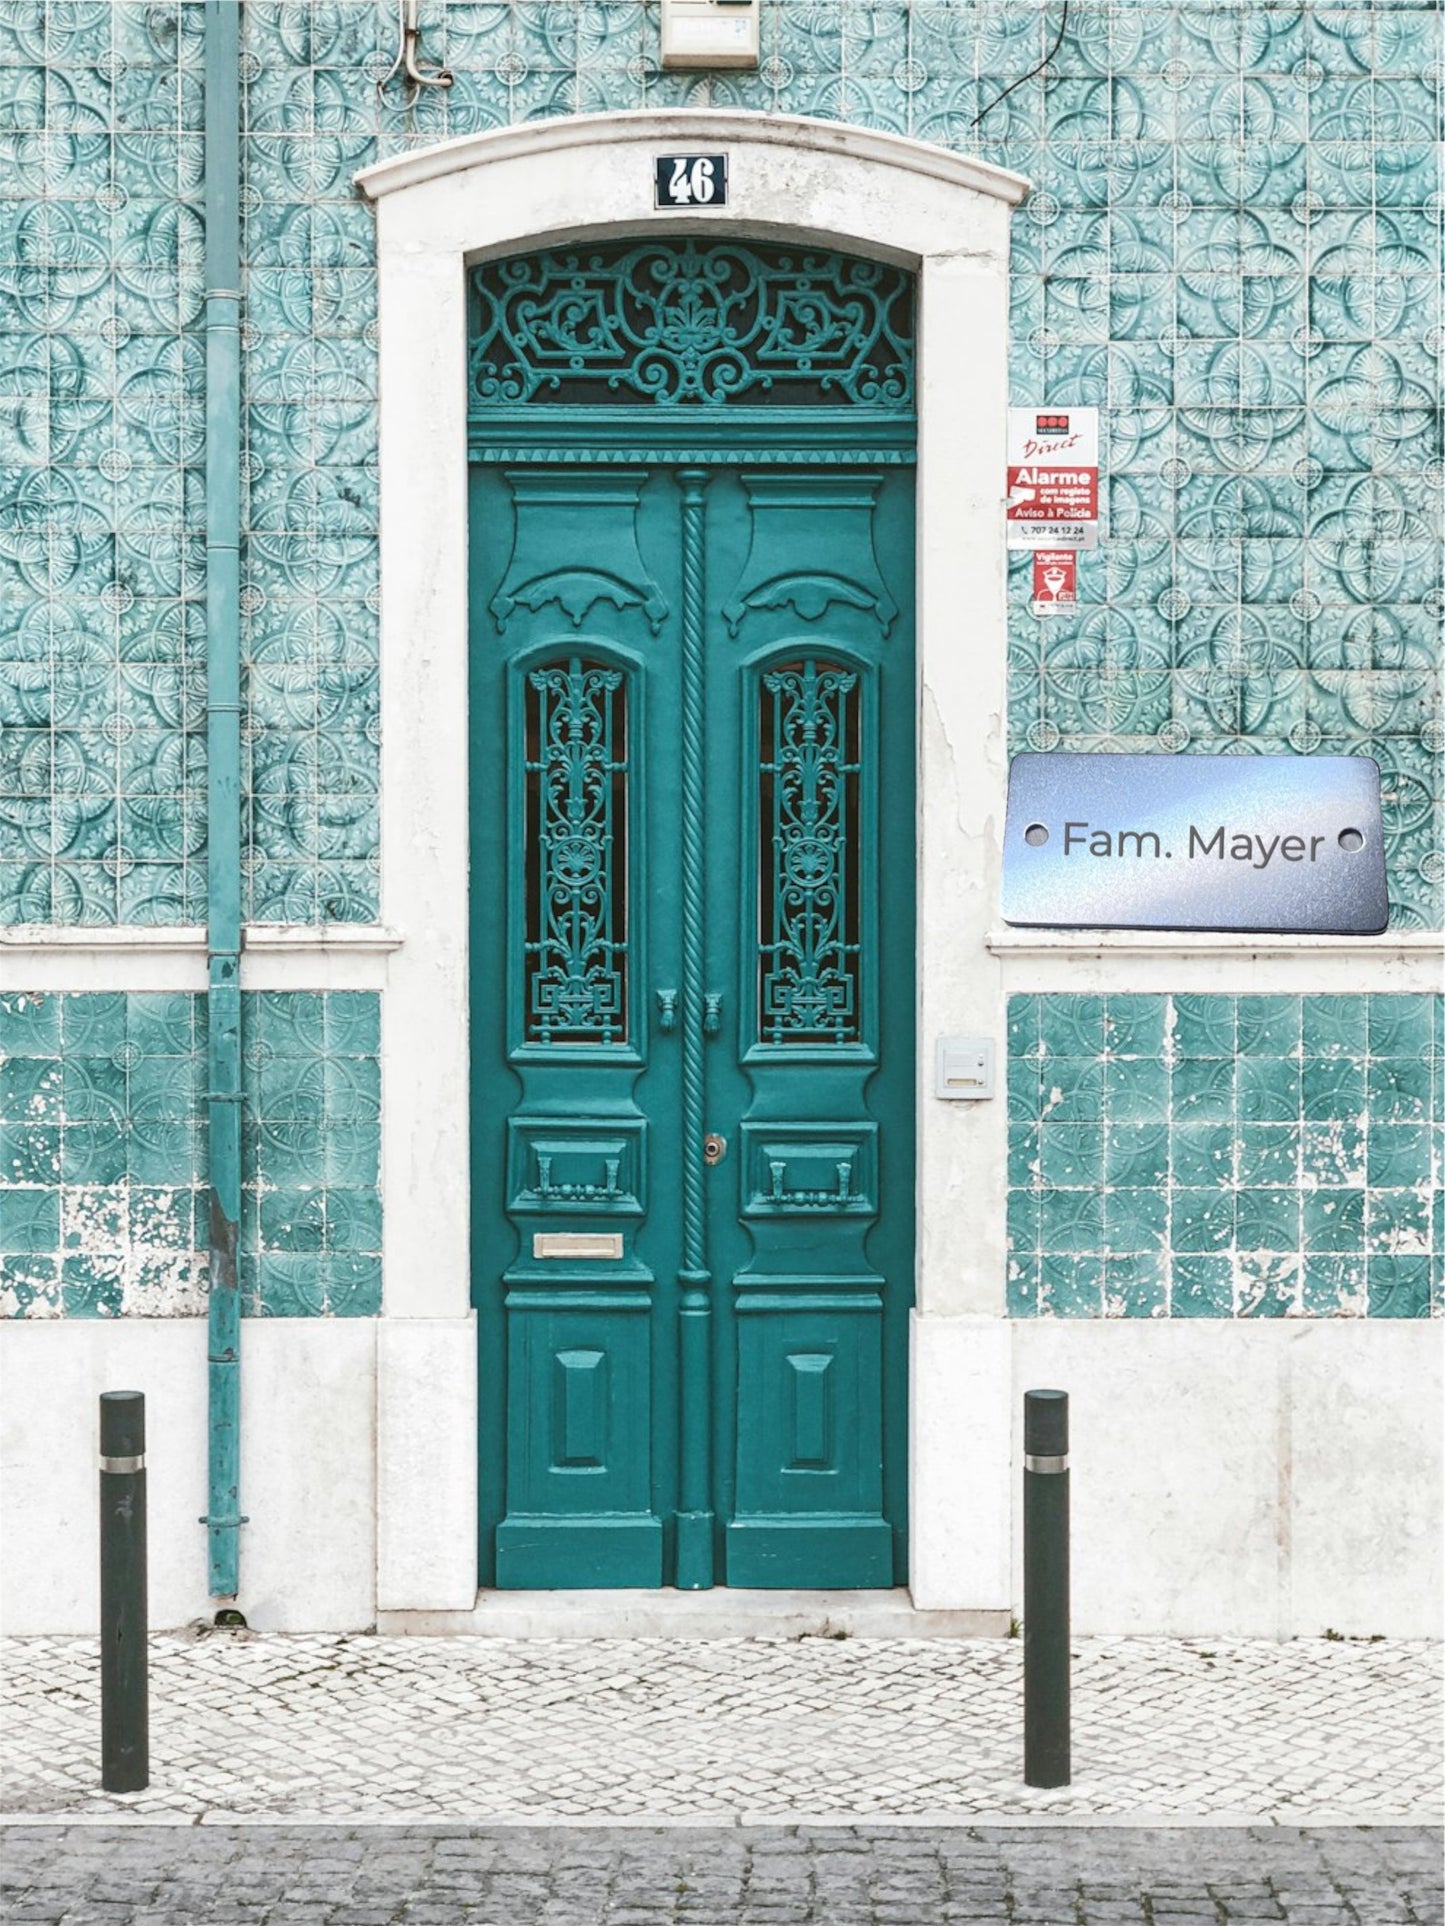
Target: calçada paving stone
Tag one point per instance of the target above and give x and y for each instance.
(334, 1728)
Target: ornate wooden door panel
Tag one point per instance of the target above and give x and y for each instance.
(811, 697)
(575, 718)
(812, 673)
(692, 715)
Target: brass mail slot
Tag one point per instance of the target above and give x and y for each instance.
(576, 1244)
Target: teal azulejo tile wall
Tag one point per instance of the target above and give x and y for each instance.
(1233, 248)
(102, 1155)
(1225, 1157)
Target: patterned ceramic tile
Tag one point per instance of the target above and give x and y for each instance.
(1220, 1156)
(1233, 248)
(101, 786)
(102, 1155)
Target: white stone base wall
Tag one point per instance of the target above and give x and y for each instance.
(1229, 1479)
(308, 1453)
(1263, 1479)
(1254, 1479)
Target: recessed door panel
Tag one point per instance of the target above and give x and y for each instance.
(579, 1473)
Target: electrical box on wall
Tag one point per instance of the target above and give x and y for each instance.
(963, 1067)
(710, 33)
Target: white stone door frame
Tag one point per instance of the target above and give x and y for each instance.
(946, 217)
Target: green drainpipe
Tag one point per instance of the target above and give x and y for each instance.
(223, 1519)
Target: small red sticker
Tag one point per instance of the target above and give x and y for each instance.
(1056, 580)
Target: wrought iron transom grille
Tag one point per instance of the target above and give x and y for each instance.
(687, 322)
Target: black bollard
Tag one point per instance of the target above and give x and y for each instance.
(125, 1762)
(1046, 1588)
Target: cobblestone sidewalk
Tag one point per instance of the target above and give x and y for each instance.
(729, 1731)
(699, 1876)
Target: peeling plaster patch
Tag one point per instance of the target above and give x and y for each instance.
(22, 1300)
(1405, 1240)
(166, 1284)
(1268, 1283)
(30, 1167)
(1338, 1146)
(94, 1222)
(159, 1217)
(1354, 1301)
(44, 1103)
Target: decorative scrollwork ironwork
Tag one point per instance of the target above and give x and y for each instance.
(810, 854)
(688, 322)
(576, 854)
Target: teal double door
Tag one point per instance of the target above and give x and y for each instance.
(692, 1008)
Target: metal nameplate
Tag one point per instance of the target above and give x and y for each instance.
(1280, 844)
(577, 1244)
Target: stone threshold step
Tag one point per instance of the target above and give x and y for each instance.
(721, 1613)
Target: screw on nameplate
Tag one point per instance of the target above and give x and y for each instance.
(1292, 844)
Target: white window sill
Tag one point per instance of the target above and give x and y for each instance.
(1004, 941)
(364, 939)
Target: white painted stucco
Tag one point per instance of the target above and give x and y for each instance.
(960, 1386)
(308, 1403)
(1265, 1478)
(426, 1468)
(1248, 1479)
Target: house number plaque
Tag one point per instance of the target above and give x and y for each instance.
(1284, 844)
(690, 180)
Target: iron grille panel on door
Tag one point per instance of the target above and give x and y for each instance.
(575, 854)
(809, 855)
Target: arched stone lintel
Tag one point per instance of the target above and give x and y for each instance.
(648, 126)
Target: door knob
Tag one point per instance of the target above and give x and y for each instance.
(714, 1149)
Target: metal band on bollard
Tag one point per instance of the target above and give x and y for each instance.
(1046, 1588)
(124, 1679)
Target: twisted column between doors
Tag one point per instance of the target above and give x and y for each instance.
(695, 1516)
